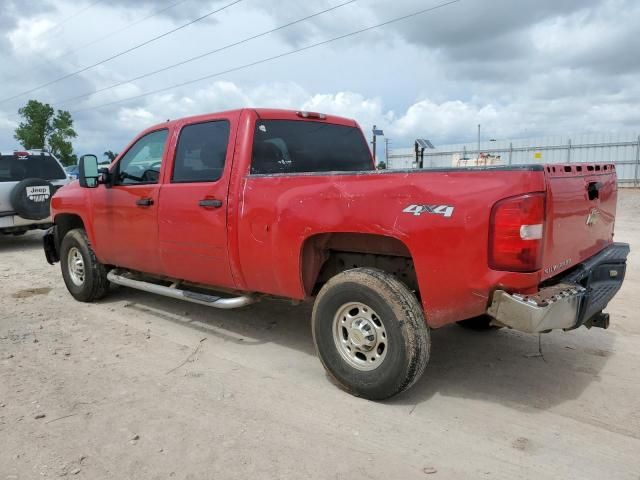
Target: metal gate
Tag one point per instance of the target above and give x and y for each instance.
(623, 150)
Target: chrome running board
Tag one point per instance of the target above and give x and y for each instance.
(172, 292)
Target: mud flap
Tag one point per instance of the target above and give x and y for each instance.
(49, 245)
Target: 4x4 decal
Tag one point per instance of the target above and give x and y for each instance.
(417, 210)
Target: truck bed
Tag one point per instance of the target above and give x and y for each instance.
(440, 215)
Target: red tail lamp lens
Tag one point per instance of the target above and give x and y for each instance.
(516, 233)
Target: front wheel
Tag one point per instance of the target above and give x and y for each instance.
(84, 276)
(370, 333)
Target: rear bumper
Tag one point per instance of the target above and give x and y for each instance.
(576, 298)
(9, 220)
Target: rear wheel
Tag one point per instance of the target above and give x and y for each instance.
(370, 333)
(84, 276)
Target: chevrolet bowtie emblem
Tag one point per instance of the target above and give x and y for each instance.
(592, 218)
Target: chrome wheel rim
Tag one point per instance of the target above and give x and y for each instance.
(75, 264)
(360, 336)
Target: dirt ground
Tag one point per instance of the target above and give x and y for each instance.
(138, 386)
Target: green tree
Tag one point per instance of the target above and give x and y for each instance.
(44, 128)
(382, 165)
(110, 155)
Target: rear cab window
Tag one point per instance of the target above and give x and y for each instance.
(294, 146)
(15, 168)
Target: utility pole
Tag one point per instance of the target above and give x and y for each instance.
(375, 132)
(478, 140)
(386, 151)
(374, 144)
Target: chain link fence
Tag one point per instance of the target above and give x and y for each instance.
(623, 150)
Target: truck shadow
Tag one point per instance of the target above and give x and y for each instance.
(28, 241)
(500, 366)
(506, 367)
(268, 321)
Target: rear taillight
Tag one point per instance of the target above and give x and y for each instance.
(516, 232)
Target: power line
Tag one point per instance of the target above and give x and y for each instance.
(55, 27)
(225, 47)
(109, 35)
(203, 55)
(268, 59)
(70, 17)
(147, 42)
(125, 27)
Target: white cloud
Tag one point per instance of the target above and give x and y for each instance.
(536, 68)
(7, 124)
(28, 38)
(444, 120)
(349, 104)
(136, 118)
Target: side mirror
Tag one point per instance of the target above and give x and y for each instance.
(88, 171)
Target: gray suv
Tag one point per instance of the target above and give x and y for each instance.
(28, 180)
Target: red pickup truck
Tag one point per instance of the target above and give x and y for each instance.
(258, 202)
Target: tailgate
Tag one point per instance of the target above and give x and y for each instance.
(581, 209)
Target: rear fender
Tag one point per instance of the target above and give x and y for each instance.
(377, 251)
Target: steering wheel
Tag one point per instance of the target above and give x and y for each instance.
(152, 173)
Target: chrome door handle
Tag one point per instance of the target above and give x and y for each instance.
(144, 202)
(210, 203)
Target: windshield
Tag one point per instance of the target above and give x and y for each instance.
(290, 146)
(15, 169)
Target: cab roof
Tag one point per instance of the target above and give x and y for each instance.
(264, 113)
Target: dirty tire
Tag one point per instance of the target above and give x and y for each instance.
(95, 284)
(407, 334)
(481, 323)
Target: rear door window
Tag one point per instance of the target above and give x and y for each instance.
(289, 146)
(201, 152)
(16, 168)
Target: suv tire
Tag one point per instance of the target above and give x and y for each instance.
(31, 198)
(84, 276)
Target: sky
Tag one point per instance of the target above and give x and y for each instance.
(520, 68)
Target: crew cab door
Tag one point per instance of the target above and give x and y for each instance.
(193, 204)
(125, 216)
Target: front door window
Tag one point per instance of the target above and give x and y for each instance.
(142, 162)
